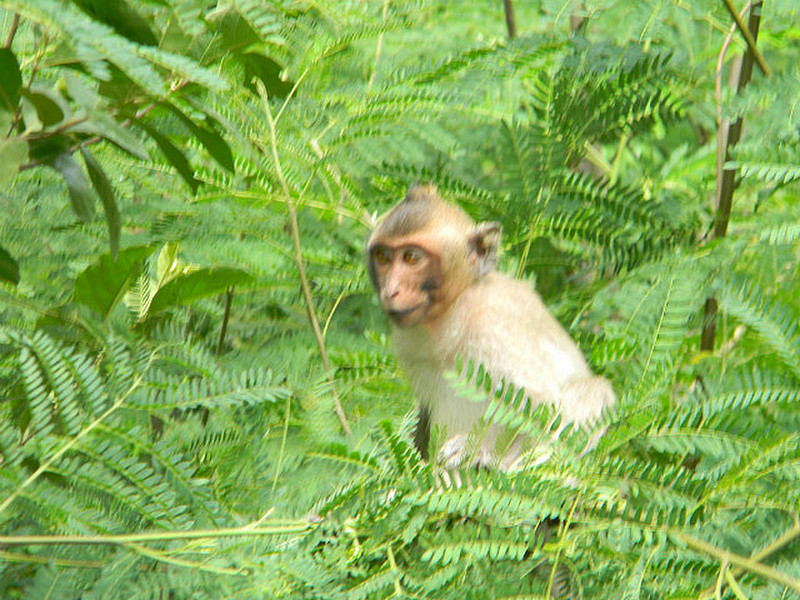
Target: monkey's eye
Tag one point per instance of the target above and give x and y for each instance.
(381, 255)
(412, 256)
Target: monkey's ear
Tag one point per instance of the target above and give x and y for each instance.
(483, 245)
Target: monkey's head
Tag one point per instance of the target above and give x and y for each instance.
(424, 253)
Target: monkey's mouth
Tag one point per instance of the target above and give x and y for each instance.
(403, 318)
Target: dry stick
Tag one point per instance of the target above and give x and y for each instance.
(298, 257)
(511, 22)
(726, 177)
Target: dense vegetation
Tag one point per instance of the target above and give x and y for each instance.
(197, 393)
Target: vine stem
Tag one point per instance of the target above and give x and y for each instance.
(298, 258)
(125, 539)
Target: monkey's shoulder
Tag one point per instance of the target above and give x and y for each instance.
(508, 322)
(498, 299)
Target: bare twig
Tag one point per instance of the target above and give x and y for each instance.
(789, 536)
(748, 564)
(728, 136)
(749, 35)
(225, 317)
(511, 22)
(298, 256)
(378, 47)
(13, 31)
(279, 528)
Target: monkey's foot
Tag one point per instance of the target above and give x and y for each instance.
(453, 451)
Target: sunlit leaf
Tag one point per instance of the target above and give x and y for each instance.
(102, 285)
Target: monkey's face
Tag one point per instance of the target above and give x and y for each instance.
(407, 278)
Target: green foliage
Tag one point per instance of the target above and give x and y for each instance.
(168, 423)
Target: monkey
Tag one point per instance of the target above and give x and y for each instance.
(434, 270)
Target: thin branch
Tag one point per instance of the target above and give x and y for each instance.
(728, 181)
(59, 562)
(225, 318)
(13, 31)
(280, 528)
(298, 256)
(125, 123)
(748, 564)
(378, 47)
(68, 446)
(784, 540)
(749, 36)
(167, 558)
(511, 22)
(727, 137)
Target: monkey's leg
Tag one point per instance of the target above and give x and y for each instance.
(422, 434)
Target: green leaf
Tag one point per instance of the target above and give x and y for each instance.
(268, 71)
(105, 126)
(184, 68)
(120, 17)
(103, 284)
(84, 95)
(234, 31)
(188, 287)
(10, 81)
(80, 194)
(9, 268)
(103, 188)
(48, 109)
(13, 153)
(211, 140)
(174, 156)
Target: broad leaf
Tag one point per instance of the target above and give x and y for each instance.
(10, 81)
(9, 269)
(48, 109)
(268, 71)
(188, 287)
(103, 284)
(80, 194)
(211, 140)
(103, 188)
(13, 153)
(175, 157)
(118, 15)
(105, 126)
